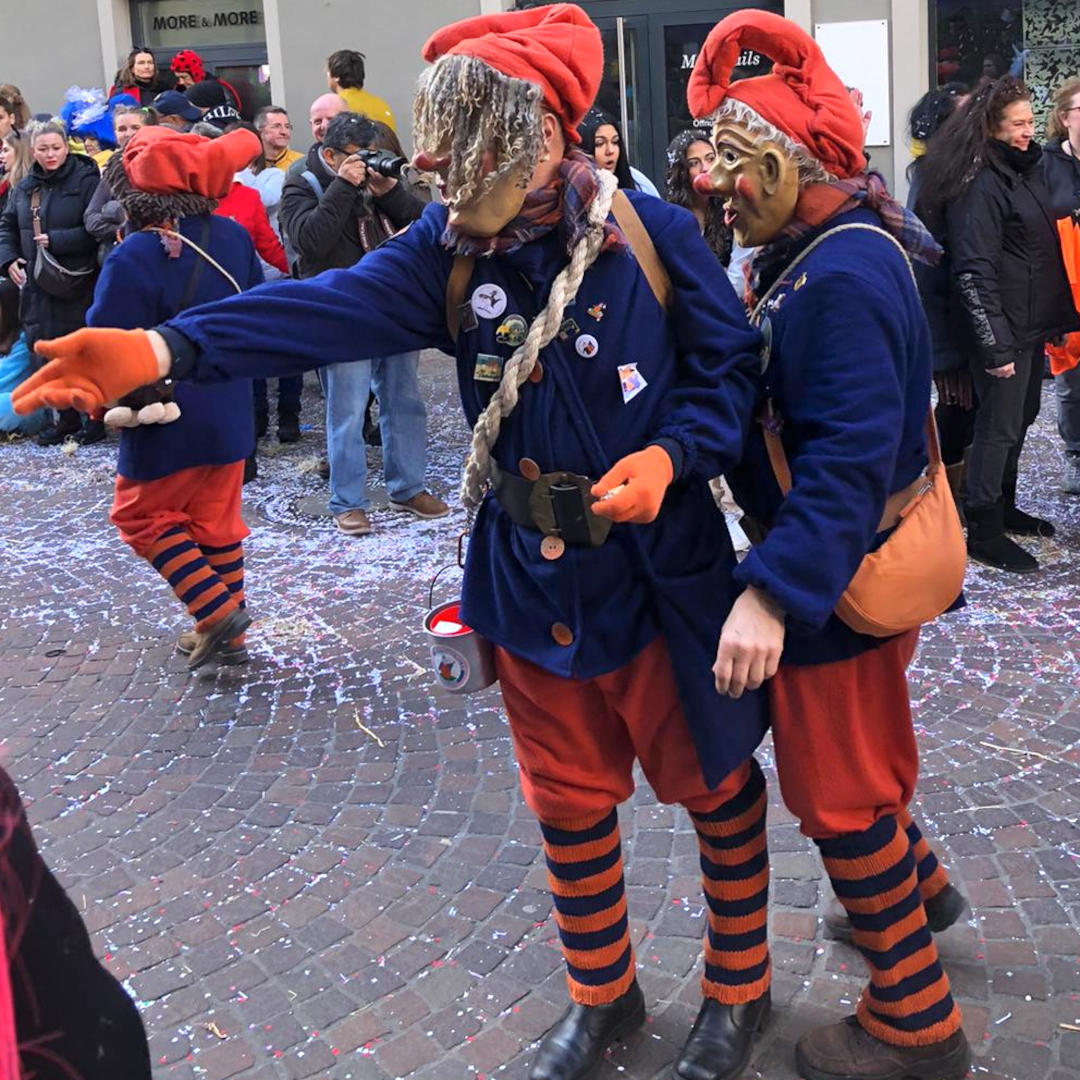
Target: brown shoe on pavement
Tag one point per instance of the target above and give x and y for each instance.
(229, 653)
(353, 523)
(425, 505)
(846, 1051)
(215, 638)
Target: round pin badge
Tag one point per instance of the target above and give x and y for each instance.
(587, 346)
(489, 301)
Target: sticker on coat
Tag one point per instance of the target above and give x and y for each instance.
(488, 368)
(587, 346)
(631, 381)
(489, 301)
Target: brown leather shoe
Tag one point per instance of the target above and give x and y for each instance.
(217, 636)
(353, 523)
(425, 505)
(846, 1051)
(230, 653)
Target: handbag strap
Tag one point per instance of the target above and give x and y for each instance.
(457, 283)
(771, 423)
(35, 212)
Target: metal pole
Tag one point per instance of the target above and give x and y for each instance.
(624, 114)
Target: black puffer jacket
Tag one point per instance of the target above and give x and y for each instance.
(65, 195)
(1061, 174)
(328, 231)
(1007, 271)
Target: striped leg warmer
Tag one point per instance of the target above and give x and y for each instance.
(178, 559)
(228, 564)
(908, 1001)
(931, 874)
(585, 871)
(735, 875)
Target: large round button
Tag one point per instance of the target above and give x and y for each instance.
(537, 372)
(529, 469)
(552, 547)
(562, 634)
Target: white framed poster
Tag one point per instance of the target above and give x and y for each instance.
(859, 53)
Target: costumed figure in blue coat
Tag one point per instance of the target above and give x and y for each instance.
(608, 371)
(846, 393)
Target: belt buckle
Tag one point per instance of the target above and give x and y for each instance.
(560, 505)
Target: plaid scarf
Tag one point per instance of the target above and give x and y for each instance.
(563, 204)
(820, 203)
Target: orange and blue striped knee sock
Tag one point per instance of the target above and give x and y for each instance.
(228, 564)
(908, 1001)
(931, 874)
(735, 876)
(585, 872)
(178, 559)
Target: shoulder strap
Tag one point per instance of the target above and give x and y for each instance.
(643, 248)
(780, 279)
(313, 182)
(196, 271)
(774, 445)
(456, 285)
(199, 251)
(35, 210)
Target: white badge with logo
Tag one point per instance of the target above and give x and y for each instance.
(489, 301)
(587, 346)
(631, 382)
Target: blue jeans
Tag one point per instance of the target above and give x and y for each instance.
(402, 423)
(1068, 402)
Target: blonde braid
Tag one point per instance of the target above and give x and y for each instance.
(543, 330)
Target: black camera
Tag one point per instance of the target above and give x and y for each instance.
(383, 162)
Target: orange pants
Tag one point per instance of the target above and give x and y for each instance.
(205, 501)
(845, 745)
(576, 739)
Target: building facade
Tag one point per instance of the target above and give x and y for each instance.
(275, 50)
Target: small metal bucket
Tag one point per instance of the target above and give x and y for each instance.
(462, 660)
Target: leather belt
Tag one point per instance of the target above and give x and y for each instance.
(554, 504)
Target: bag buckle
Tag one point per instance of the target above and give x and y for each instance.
(560, 505)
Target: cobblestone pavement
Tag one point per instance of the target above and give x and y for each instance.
(320, 866)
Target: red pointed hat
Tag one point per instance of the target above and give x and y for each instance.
(162, 161)
(557, 47)
(802, 96)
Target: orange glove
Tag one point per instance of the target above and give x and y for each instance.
(88, 369)
(634, 487)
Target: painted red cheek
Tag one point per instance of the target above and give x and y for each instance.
(745, 190)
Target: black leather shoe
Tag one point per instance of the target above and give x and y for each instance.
(1021, 524)
(721, 1039)
(288, 428)
(574, 1047)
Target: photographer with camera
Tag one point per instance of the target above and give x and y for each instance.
(348, 200)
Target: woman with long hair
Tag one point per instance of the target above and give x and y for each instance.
(690, 154)
(15, 162)
(139, 77)
(982, 183)
(602, 140)
(1061, 171)
(955, 410)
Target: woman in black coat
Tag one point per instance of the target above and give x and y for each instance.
(66, 183)
(982, 180)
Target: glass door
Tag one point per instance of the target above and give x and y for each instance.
(624, 91)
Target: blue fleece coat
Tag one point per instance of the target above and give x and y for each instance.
(673, 577)
(849, 373)
(141, 286)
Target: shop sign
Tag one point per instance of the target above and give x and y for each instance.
(167, 24)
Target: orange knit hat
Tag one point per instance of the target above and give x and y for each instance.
(162, 161)
(802, 96)
(557, 47)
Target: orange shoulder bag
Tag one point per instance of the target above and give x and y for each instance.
(918, 572)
